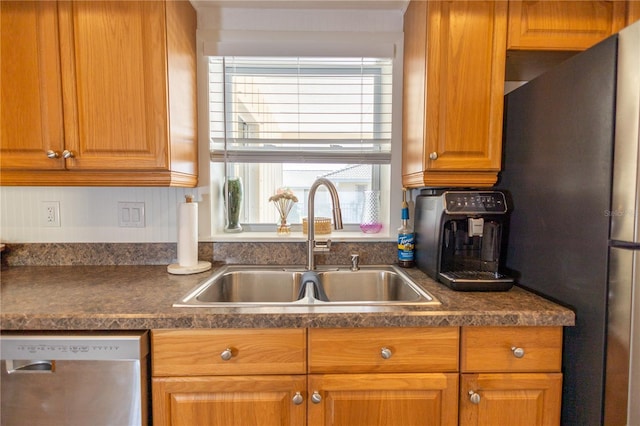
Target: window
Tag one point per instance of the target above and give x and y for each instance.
(283, 122)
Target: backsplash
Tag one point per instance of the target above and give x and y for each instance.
(295, 253)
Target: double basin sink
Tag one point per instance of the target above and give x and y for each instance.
(258, 285)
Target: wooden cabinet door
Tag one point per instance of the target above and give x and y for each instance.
(453, 111)
(633, 11)
(31, 118)
(88, 82)
(114, 74)
(563, 25)
(383, 399)
(514, 399)
(229, 400)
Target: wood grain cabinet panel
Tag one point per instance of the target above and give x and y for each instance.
(229, 400)
(228, 352)
(107, 87)
(511, 349)
(383, 399)
(510, 399)
(454, 67)
(31, 117)
(633, 11)
(563, 25)
(412, 350)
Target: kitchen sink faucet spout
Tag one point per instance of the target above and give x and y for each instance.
(312, 248)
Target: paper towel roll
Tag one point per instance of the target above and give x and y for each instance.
(188, 234)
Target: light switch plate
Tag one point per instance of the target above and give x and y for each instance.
(130, 214)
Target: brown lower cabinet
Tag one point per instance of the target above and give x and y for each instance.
(510, 376)
(229, 400)
(510, 399)
(357, 376)
(383, 399)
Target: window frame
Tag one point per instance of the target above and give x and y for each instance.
(254, 42)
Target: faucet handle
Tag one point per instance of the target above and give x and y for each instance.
(355, 261)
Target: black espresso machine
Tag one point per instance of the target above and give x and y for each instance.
(460, 237)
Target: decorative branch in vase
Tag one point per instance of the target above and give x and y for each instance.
(284, 199)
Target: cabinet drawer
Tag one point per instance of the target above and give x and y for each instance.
(202, 352)
(511, 349)
(361, 350)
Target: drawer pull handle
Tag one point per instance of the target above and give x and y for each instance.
(226, 355)
(316, 398)
(517, 352)
(53, 154)
(433, 156)
(474, 397)
(386, 353)
(297, 399)
(67, 154)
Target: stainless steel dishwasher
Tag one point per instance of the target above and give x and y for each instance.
(74, 379)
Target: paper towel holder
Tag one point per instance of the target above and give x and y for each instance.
(200, 265)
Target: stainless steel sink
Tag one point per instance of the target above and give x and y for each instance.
(249, 285)
(370, 285)
(257, 285)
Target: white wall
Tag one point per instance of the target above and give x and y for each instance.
(89, 214)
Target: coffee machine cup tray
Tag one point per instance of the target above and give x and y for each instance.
(475, 280)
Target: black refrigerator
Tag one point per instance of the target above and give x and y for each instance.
(570, 167)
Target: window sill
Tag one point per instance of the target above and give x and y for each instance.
(335, 236)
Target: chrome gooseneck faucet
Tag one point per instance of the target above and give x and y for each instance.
(337, 219)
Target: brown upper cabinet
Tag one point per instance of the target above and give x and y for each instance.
(564, 25)
(454, 66)
(454, 73)
(98, 93)
(633, 11)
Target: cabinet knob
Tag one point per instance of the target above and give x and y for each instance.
(517, 352)
(386, 353)
(316, 398)
(297, 398)
(53, 154)
(226, 354)
(474, 397)
(433, 156)
(67, 154)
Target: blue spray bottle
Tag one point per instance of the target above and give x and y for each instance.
(405, 236)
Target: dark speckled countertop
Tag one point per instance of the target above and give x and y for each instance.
(141, 297)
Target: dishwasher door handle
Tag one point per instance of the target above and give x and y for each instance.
(23, 366)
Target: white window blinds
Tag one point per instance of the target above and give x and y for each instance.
(280, 109)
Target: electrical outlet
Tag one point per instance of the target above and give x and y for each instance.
(130, 215)
(51, 213)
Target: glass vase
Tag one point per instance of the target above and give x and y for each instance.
(370, 223)
(233, 203)
(284, 228)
